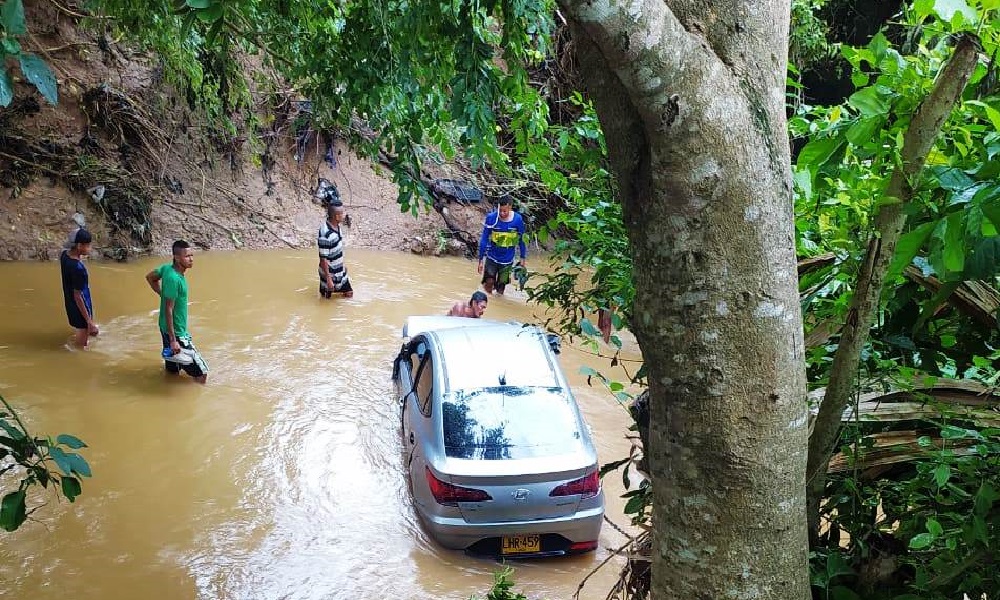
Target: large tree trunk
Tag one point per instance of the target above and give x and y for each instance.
(691, 98)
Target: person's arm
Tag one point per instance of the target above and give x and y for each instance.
(324, 264)
(520, 240)
(153, 279)
(455, 311)
(484, 241)
(82, 307)
(324, 267)
(168, 306)
(169, 293)
(78, 281)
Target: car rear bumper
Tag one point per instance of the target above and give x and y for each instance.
(456, 533)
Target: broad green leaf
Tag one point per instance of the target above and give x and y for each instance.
(922, 8)
(934, 528)
(12, 431)
(588, 328)
(10, 46)
(198, 4)
(840, 592)
(6, 87)
(863, 130)
(38, 73)
(803, 181)
(907, 247)
(921, 541)
(878, 45)
(983, 261)
(70, 441)
(12, 17)
(950, 432)
(12, 510)
(213, 13)
(953, 248)
(79, 464)
(62, 460)
(589, 372)
(71, 488)
(947, 9)
(868, 102)
(815, 154)
(985, 498)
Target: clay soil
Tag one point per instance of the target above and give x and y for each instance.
(245, 192)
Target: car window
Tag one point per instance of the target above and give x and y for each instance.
(425, 384)
(508, 423)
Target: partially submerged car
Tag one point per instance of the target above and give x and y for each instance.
(499, 459)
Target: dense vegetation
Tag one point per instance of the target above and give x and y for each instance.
(923, 525)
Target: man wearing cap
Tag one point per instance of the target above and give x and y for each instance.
(170, 284)
(76, 288)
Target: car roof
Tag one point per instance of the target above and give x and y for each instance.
(492, 354)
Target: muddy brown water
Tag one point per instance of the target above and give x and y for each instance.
(281, 478)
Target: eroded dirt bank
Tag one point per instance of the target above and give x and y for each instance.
(126, 151)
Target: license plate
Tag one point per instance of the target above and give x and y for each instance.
(521, 544)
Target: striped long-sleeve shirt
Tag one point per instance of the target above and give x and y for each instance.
(331, 247)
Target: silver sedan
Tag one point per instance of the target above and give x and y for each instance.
(499, 459)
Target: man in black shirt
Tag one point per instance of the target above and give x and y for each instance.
(76, 288)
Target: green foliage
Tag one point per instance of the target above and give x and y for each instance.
(34, 69)
(808, 41)
(935, 518)
(36, 461)
(503, 584)
(928, 525)
(590, 241)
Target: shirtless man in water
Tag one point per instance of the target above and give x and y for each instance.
(474, 308)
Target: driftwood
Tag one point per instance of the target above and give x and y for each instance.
(946, 398)
(977, 300)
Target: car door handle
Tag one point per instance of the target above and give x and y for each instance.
(411, 437)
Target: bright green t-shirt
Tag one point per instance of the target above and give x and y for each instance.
(173, 286)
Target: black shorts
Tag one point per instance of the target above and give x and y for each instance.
(75, 318)
(346, 287)
(498, 273)
(196, 368)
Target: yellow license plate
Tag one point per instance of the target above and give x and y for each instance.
(521, 544)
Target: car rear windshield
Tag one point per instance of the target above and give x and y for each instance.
(510, 423)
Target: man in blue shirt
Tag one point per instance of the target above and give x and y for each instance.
(76, 288)
(503, 233)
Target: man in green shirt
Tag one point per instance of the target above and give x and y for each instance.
(171, 286)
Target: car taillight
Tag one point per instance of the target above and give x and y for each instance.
(587, 487)
(450, 495)
(583, 546)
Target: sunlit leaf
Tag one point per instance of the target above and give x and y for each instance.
(921, 541)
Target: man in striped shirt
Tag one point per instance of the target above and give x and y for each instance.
(332, 273)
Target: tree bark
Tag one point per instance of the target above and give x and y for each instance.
(888, 225)
(691, 98)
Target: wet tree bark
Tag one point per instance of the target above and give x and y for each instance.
(691, 98)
